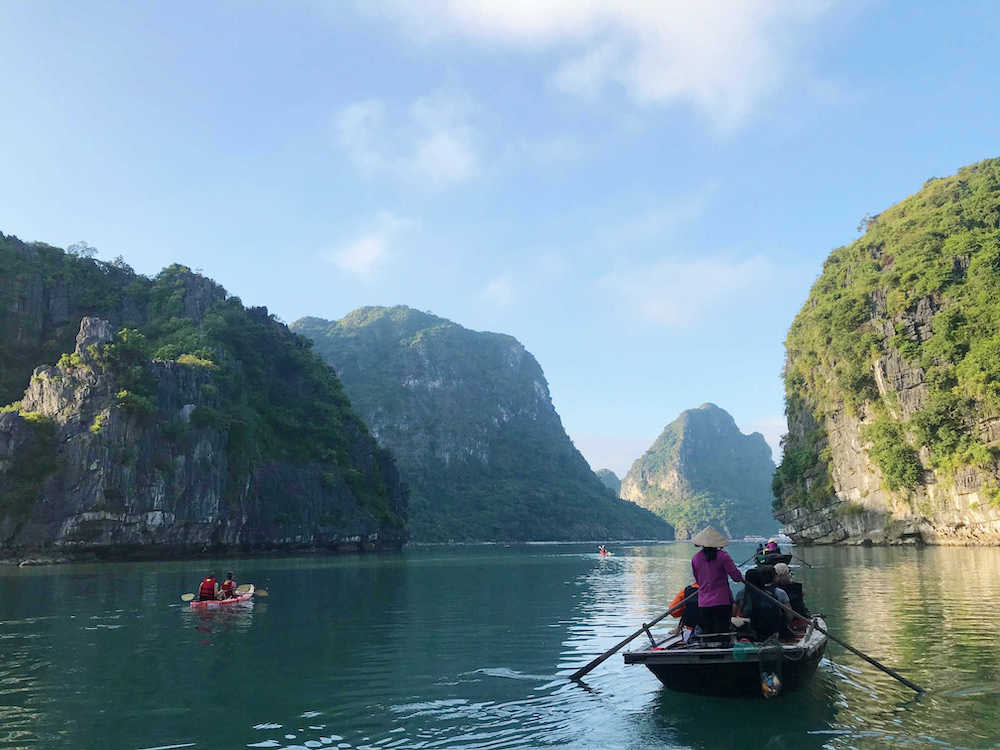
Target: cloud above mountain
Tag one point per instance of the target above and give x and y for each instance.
(721, 57)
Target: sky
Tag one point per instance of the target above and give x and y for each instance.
(641, 192)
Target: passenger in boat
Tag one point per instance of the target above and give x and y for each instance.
(712, 567)
(766, 617)
(760, 556)
(228, 587)
(783, 579)
(772, 546)
(209, 589)
(688, 612)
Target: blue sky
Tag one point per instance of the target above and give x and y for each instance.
(641, 192)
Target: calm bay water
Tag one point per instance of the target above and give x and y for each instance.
(470, 648)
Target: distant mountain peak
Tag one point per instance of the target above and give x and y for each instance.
(469, 417)
(702, 469)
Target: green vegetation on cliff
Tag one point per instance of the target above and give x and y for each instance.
(469, 419)
(262, 388)
(702, 470)
(917, 297)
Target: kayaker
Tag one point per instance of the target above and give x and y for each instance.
(209, 589)
(712, 566)
(228, 586)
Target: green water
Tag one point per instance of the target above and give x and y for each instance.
(470, 648)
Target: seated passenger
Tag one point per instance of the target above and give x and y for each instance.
(228, 587)
(772, 545)
(783, 578)
(688, 612)
(766, 617)
(209, 589)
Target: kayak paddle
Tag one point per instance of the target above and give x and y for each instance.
(187, 597)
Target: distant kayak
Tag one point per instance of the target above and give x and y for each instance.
(213, 603)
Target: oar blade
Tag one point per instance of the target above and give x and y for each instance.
(243, 588)
(260, 592)
(187, 597)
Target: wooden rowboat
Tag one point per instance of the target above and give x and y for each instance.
(736, 667)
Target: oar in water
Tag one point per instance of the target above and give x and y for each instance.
(796, 557)
(187, 597)
(912, 685)
(645, 627)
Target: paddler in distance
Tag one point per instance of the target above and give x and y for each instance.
(228, 587)
(209, 589)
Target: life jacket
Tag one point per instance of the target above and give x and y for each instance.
(228, 587)
(207, 589)
(689, 612)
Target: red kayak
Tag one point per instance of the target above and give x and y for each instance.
(212, 603)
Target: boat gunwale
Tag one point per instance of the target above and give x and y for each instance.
(811, 642)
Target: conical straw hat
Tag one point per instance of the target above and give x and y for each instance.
(709, 537)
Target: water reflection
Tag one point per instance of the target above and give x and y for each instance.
(470, 648)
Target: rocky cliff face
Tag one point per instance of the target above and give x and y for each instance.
(702, 470)
(233, 436)
(894, 421)
(469, 418)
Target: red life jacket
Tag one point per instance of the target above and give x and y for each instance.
(227, 587)
(207, 590)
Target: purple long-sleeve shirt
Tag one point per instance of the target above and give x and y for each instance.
(711, 575)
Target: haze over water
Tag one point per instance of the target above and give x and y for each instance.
(470, 648)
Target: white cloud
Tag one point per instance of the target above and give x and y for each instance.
(676, 293)
(772, 428)
(358, 126)
(720, 56)
(434, 141)
(365, 254)
(500, 291)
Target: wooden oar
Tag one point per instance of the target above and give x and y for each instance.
(796, 557)
(912, 685)
(187, 597)
(646, 626)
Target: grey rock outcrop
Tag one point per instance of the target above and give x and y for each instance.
(891, 378)
(126, 484)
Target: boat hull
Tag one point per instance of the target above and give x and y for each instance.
(729, 672)
(215, 603)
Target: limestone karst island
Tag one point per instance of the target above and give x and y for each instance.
(484, 375)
